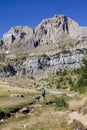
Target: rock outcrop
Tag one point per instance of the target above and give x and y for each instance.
(51, 64)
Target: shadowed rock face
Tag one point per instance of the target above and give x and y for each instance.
(50, 31)
(1, 43)
(51, 64)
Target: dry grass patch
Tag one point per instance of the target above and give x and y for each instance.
(43, 119)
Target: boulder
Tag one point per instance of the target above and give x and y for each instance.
(16, 95)
(24, 110)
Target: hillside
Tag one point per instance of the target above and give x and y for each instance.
(20, 107)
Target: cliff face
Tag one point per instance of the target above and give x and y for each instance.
(51, 64)
(63, 42)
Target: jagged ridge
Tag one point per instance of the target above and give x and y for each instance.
(50, 31)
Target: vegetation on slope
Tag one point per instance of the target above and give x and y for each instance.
(81, 82)
(70, 79)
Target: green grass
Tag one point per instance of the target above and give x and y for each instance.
(2, 57)
(11, 104)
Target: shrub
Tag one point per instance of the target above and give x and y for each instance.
(80, 85)
(60, 102)
(65, 72)
(9, 68)
(2, 57)
(58, 86)
(70, 80)
(81, 82)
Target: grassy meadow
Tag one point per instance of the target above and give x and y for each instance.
(56, 112)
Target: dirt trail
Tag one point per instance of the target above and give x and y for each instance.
(69, 94)
(79, 117)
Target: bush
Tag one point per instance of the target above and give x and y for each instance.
(70, 80)
(58, 86)
(80, 85)
(2, 57)
(65, 72)
(81, 82)
(9, 68)
(60, 102)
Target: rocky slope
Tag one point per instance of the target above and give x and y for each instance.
(68, 43)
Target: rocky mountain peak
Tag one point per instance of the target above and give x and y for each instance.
(19, 29)
(60, 22)
(53, 30)
(17, 34)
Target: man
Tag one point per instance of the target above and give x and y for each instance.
(43, 92)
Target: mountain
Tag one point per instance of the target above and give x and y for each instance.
(53, 29)
(50, 31)
(56, 44)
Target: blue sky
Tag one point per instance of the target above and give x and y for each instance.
(32, 12)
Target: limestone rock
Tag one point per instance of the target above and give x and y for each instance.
(16, 95)
(24, 110)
